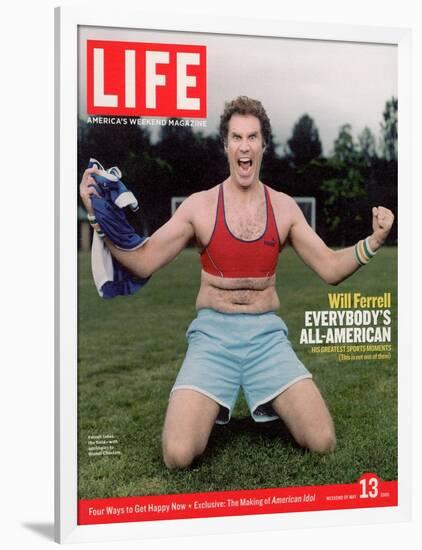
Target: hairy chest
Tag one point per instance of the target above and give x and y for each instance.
(246, 223)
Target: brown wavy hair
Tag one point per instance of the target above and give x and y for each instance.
(244, 105)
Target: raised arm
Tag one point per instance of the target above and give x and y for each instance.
(334, 266)
(164, 245)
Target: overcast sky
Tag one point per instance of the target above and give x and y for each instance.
(334, 82)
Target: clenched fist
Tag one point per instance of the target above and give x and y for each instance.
(382, 221)
(87, 189)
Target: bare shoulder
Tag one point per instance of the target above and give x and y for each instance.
(198, 202)
(284, 205)
(206, 197)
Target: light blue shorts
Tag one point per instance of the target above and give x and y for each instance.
(230, 351)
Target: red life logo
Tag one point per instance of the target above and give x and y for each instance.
(143, 79)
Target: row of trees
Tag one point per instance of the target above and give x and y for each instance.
(356, 175)
(305, 145)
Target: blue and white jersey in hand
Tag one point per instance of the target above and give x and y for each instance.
(111, 186)
(110, 277)
(108, 208)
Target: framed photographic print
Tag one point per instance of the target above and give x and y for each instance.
(232, 264)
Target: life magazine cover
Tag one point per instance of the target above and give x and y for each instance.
(237, 275)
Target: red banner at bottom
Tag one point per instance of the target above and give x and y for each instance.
(368, 492)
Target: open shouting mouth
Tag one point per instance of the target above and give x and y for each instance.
(245, 165)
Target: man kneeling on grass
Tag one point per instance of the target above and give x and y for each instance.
(237, 340)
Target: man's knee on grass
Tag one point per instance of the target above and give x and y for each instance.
(189, 420)
(179, 455)
(320, 441)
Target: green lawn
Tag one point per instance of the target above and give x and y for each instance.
(130, 350)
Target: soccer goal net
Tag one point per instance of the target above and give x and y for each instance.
(306, 204)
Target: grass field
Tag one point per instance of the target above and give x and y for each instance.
(130, 350)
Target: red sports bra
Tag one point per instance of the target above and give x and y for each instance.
(229, 256)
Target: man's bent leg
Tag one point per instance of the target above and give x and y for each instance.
(189, 420)
(305, 414)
